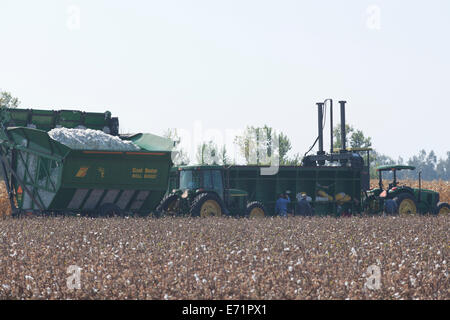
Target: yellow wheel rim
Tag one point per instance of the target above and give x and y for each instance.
(256, 213)
(444, 211)
(210, 209)
(407, 207)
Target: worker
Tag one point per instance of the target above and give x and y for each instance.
(281, 205)
(304, 208)
(390, 206)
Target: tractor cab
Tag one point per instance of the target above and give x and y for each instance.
(409, 200)
(393, 186)
(198, 179)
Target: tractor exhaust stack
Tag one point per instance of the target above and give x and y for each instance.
(331, 126)
(320, 126)
(320, 108)
(345, 157)
(343, 135)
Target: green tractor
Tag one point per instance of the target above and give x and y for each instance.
(409, 200)
(201, 191)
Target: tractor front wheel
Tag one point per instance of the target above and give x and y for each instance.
(255, 209)
(406, 204)
(206, 205)
(169, 205)
(443, 208)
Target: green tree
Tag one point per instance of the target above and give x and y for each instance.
(284, 146)
(425, 163)
(208, 153)
(256, 145)
(224, 155)
(295, 160)
(354, 138)
(8, 101)
(443, 168)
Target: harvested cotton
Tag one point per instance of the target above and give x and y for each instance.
(88, 139)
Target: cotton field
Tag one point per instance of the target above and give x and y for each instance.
(224, 258)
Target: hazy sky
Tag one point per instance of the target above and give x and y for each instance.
(228, 64)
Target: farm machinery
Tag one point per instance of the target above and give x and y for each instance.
(333, 183)
(336, 183)
(43, 175)
(210, 190)
(408, 200)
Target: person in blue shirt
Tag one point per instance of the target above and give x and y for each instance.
(390, 206)
(304, 208)
(281, 205)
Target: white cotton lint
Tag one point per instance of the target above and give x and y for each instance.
(88, 139)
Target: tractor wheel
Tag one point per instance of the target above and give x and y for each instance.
(372, 205)
(442, 208)
(255, 209)
(168, 205)
(110, 210)
(406, 204)
(207, 205)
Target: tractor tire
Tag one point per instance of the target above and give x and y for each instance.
(207, 205)
(255, 209)
(406, 204)
(167, 206)
(372, 205)
(442, 208)
(110, 210)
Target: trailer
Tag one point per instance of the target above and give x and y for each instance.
(240, 190)
(332, 190)
(43, 175)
